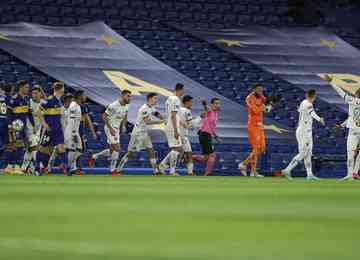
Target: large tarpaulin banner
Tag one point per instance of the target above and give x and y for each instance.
(297, 55)
(96, 59)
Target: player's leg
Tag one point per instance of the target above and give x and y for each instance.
(258, 149)
(171, 158)
(357, 165)
(152, 159)
(95, 156)
(114, 143)
(132, 148)
(351, 145)
(250, 160)
(302, 144)
(188, 156)
(307, 161)
(210, 155)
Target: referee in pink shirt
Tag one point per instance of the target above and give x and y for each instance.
(207, 133)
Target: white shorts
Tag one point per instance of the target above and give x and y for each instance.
(112, 139)
(172, 141)
(186, 144)
(33, 139)
(73, 142)
(353, 140)
(139, 141)
(305, 141)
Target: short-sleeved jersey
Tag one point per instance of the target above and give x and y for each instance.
(116, 113)
(306, 115)
(53, 111)
(185, 119)
(3, 109)
(73, 118)
(34, 107)
(145, 111)
(255, 107)
(353, 120)
(172, 104)
(20, 108)
(84, 111)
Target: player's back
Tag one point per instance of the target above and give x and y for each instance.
(53, 112)
(354, 114)
(73, 117)
(185, 118)
(172, 104)
(305, 119)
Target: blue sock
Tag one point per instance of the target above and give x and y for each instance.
(63, 159)
(19, 155)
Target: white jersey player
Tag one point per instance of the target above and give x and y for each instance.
(353, 124)
(186, 123)
(304, 136)
(172, 129)
(33, 131)
(72, 136)
(140, 138)
(116, 115)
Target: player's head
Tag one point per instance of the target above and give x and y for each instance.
(36, 93)
(179, 89)
(215, 104)
(126, 96)
(7, 89)
(311, 95)
(80, 96)
(151, 98)
(59, 89)
(357, 93)
(23, 87)
(68, 97)
(187, 101)
(258, 90)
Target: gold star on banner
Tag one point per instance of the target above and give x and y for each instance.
(4, 37)
(230, 43)
(330, 44)
(109, 40)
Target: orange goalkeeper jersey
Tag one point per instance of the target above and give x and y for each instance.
(255, 108)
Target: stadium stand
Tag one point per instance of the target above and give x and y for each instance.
(146, 24)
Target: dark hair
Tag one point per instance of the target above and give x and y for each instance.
(6, 88)
(79, 93)
(36, 88)
(179, 86)
(213, 100)
(68, 96)
(125, 92)
(150, 95)
(357, 92)
(255, 86)
(22, 83)
(187, 98)
(311, 93)
(58, 85)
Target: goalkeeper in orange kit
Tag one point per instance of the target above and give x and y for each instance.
(256, 104)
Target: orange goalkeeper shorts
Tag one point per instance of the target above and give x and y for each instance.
(257, 138)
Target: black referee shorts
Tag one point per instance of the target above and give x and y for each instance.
(205, 141)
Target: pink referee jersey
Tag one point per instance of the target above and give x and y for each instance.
(209, 123)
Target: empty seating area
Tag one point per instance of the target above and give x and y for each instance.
(146, 24)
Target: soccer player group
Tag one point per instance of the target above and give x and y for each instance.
(39, 129)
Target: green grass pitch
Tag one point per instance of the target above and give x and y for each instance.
(158, 218)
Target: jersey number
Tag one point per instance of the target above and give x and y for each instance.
(3, 109)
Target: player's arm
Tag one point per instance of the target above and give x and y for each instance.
(89, 124)
(124, 123)
(174, 111)
(107, 121)
(40, 115)
(315, 116)
(348, 98)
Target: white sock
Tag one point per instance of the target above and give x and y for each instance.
(27, 160)
(103, 153)
(153, 164)
(114, 159)
(122, 162)
(173, 160)
(72, 160)
(165, 161)
(190, 167)
(308, 165)
(350, 162)
(357, 164)
(52, 159)
(294, 162)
